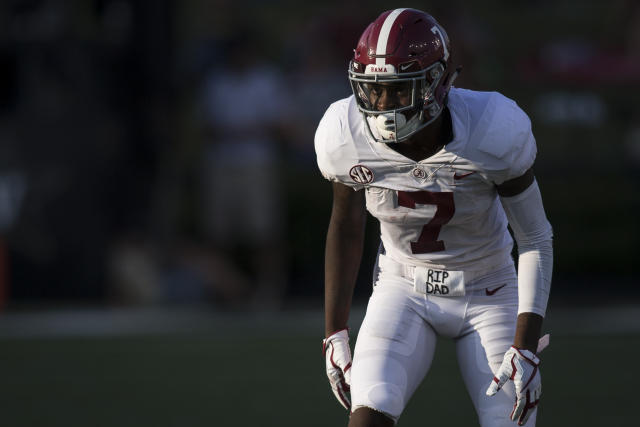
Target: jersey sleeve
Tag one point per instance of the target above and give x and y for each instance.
(508, 140)
(335, 151)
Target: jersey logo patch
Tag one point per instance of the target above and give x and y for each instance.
(464, 175)
(493, 291)
(361, 174)
(419, 173)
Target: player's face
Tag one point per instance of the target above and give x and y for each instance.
(388, 96)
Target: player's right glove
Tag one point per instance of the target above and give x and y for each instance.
(338, 357)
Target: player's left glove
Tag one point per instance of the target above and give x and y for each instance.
(521, 366)
(338, 357)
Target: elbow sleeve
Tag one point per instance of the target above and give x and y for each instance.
(533, 234)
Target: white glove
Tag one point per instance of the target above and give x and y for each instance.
(338, 357)
(521, 366)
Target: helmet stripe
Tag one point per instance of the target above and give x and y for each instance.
(383, 38)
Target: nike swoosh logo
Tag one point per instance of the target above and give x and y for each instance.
(493, 291)
(405, 66)
(464, 175)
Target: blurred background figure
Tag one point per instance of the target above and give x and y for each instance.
(246, 108)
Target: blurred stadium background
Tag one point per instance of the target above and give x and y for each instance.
(162, 218)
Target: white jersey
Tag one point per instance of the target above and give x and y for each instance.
(443, 211)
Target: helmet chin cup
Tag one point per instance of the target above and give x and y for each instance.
(393, 127)
(389, 124)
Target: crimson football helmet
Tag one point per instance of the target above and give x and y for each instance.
(401, 73)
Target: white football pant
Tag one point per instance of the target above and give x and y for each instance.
(397, 340)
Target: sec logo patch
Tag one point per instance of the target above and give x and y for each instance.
(361, 174)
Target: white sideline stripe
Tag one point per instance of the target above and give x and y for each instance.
(383, 38)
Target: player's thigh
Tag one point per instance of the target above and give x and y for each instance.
(393, 352)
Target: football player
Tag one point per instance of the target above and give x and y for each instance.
(444, 170)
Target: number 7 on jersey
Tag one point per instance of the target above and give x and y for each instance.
(445, 208)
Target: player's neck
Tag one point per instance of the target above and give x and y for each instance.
(437, 134)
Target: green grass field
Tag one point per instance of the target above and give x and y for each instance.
(253, 372)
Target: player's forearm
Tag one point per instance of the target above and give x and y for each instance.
(534, 277)
(342, 262)
(533, 234)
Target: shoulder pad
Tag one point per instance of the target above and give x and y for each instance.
(503, 135)
(335, 150)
